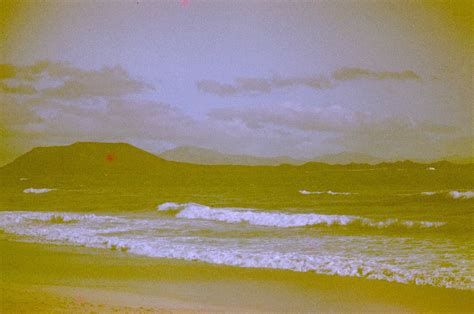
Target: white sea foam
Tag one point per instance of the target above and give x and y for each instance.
(334, 255)
(37, 191)
(462, 195)
(284, 220)
(304, 192)
(170, 206)
(452, 194)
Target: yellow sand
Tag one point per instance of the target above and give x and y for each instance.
(52, 278)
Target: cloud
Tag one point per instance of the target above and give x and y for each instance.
(111, 119)
(70, 82)
(343, 129)
(334, 119)
(110, 82)
(55, 103)
(7, 71)
(260, 85)
(17, 89)
(15, 114)
(345, 74)
(306, 118)
(266, 85)
(213, 87)
(44, 120)
(311, 82)
(266, 130)
(463, 146)
(436, 128)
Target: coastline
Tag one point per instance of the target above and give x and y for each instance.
(47, 277)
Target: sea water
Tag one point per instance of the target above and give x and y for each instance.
(430, 246)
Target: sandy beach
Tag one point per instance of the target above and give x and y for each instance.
(54, 278)
(236, 156)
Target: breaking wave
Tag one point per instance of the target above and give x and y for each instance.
(304, 192)
(452, 194)
(284, 220)
(37, 191)
(457, 194)
(331, 255)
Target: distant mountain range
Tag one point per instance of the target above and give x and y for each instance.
(204, 156)
(460, 159)
(347, 158)
(115, 158)
(119, 176)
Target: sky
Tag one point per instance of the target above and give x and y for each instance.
(391, 79)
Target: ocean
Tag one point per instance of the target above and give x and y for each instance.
(413, 235)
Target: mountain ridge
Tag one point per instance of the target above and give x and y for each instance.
(205, 156)
(347, 158)
(115, 158)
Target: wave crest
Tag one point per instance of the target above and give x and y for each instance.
(465, 195)
(391, 259)
(304, 192)
(37, 191)
(284, 220)
(452, 194)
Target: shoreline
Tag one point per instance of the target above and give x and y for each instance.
(118, 280)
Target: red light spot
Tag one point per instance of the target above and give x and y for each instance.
(110, 157)
(80, 300)
(184, 3)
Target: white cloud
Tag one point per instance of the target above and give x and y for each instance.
(266, 85)
(71, 82)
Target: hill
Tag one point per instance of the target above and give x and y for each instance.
(93, 158)
(347, 158)
(204, 156)
(84, 157)
(460, 159)
(118, 176)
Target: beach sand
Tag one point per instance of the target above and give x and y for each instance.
(50, 278)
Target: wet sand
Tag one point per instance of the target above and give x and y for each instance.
(44, 278)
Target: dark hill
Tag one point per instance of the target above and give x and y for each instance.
(84, 157)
